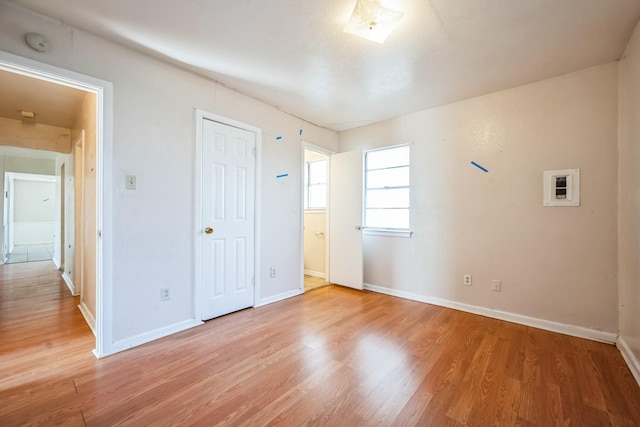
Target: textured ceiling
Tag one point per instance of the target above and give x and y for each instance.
(294, 55)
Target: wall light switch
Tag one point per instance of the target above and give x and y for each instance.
(561, 187)
(131, 182)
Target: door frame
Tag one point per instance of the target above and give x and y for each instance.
(202, 115)
(104, 208)
(10, 177)
(327, 250)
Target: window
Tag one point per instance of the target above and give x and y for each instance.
(315, 184)
(386, 188)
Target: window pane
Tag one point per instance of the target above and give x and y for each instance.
(387, 218)
(397, 156)
(397, 177)
(318, 172)
(395, 198)
(317, 196)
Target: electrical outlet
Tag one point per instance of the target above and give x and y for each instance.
(165, 294)
(496, 285)
(272, 272)
(467, 280)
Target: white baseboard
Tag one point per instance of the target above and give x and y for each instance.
(279, 297)
(576, 331)
(146, 337)
(632, 361)
(88, 317)
(315, 274)
(70, 285)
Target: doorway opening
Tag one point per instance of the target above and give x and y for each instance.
(30, 223)
(315, 217)
(43, 109)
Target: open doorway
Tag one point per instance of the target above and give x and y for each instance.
(315, 216)
(45, 111)
(30, 224)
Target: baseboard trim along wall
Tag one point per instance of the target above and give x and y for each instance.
(315, 274)
(88, 317)
(576, 331)
(146, 337)
(69, 283)
(632, 362)
(279, 297)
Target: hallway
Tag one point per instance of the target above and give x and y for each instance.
(43, 341)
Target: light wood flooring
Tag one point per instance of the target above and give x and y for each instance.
(333, 356)
(311, 283)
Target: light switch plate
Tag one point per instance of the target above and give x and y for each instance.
(131, 182)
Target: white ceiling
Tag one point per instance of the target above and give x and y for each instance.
(294, 55)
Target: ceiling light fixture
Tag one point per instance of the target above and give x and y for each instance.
(27, 114)
(372, 21)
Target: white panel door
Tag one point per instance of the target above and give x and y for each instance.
(345, 220)
(228, 199)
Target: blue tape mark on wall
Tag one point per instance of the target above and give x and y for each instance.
(278, 137)
(300, 131)
(479, 167)
(282, 175)
(45, 200)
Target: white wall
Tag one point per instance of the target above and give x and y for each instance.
(154, 139)
(629, 203)
(315, 258)
(556, 264)
(34, 212)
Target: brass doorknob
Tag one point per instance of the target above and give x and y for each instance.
(208, 230)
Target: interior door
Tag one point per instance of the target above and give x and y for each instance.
(228, 199)
(345, 220)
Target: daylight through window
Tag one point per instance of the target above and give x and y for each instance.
(315, 184)
(387, 188)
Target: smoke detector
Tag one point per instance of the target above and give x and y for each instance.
(38, 42)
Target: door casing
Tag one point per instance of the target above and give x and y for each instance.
(327, 249)
(103, 90)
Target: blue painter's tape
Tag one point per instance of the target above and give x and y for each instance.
(45, 200)
(278, 137)
(479, 167)
(300, 131)
(282, 175)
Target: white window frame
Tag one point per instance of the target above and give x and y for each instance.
(385, 231)
(308, 185)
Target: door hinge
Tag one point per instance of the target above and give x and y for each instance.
(255, 152)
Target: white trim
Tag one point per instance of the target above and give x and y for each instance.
(387, 232)
(280, 297)
(197, 265)
(315, 274)
(104, 154)
(155, 334)
(576, 331)
(70, 285)
(632, 361)
(88, 317)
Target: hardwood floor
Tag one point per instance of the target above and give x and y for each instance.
(311, 283)
(333, 356)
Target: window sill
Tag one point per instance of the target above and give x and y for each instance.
(314, 211)
(388, 233)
